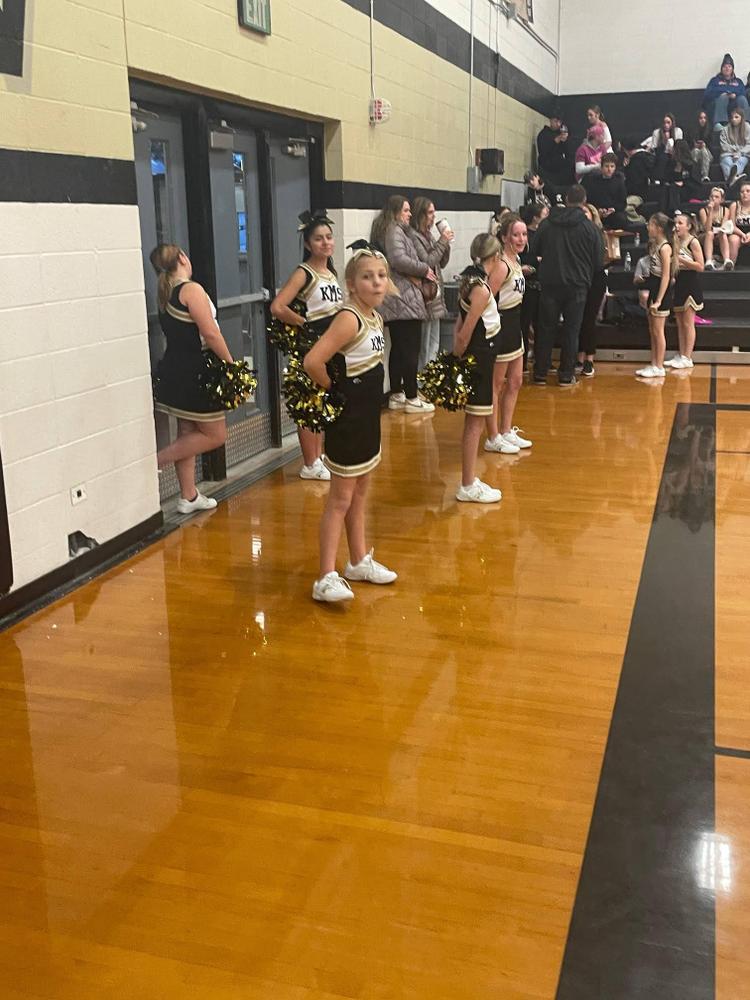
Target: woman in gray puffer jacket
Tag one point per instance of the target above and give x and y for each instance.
(403, 313)
(436, 254)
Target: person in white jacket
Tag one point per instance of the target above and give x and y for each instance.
(735, 147)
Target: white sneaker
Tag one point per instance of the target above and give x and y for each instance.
(198, 503)
(332, 587)
(513, 436)
(673, 362)
(651, 371)
(728, 265)
(710, 265)
(478, 492)
(500, 444)
(396, 401)
(687, 362)
(370, 571)
(315, 471)
(418, 406)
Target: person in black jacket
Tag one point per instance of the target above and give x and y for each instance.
(606, 191)
(533, 216)
(638, 167)
(554, 157)
(570, 250)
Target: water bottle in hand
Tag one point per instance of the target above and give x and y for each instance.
(628, 262)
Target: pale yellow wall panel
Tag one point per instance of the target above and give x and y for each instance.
(14, 121)
(72, 79)
(86, 31)
(71, 128)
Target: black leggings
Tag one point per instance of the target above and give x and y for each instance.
(529, 317)
(587, 336)
(406, 339)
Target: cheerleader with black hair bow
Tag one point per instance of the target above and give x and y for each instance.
(314, 292)
(349, 355)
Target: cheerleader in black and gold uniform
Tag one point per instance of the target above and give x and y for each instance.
(739, 216)
(313, 287)
(688, 290)
(478, 333)
(508, 285)
(352, 347)
(188, 319)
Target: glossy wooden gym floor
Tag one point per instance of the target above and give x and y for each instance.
(213, 787)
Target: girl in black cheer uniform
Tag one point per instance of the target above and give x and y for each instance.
(352, 347)
(313, 287)
(188, 319)
(662, 271)
(478, 333)
(688, 290)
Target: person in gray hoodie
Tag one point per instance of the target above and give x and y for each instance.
(405, 312)
(570, 249)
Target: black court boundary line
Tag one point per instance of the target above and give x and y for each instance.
(712, 384)
(641, 925)
(732, 752)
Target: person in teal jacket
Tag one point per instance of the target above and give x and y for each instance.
(724, 93)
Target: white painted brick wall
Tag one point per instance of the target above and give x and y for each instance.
(75, 383)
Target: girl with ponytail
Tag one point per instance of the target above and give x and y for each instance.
(663, 268)
(188, 319)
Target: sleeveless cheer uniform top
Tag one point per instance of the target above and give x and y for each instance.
(176, 387)
(352, 443)
(509, 298)
(321, 297)
(743, 219)
(484, 336)
(688, 288)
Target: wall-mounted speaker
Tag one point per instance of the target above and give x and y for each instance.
(491, 161)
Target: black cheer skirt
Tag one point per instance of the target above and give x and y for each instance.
(653, 284)
(177, 388)
(510, 339)
(688, 291)
(352, 443)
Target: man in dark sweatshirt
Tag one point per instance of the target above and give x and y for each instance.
(554, 158)
(639, 167)
(606, 191)
(571, 252)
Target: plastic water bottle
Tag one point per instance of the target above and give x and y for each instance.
(628, 262)
(637, 240)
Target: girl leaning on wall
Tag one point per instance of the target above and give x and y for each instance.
(188, 319)
(405, 312)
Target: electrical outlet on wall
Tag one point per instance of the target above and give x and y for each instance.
(78, 494)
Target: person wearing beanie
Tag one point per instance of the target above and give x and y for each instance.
(725, 93)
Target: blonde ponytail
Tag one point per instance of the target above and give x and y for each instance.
(164, 260)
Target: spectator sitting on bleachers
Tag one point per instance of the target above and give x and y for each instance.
(725, 92)
(714, 222)
(661, 144)
(739, 216)
(535, 190)
(595, 117)
(638, 167)
(606, 192)
(735, 146)
(589, 153)
(702, 155)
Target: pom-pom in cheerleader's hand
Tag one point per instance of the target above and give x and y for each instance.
(308, 404)
(227, 384)
(287, 337)
(448, 380)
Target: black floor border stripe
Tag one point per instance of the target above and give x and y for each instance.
(730, 451)
(732, 407)
(732, 752)
(712, 387)
(642, 924)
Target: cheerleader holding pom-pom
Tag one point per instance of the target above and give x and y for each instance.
(308, 302)
(352, 348)
(478, 333)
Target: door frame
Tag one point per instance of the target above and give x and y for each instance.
(196, 111)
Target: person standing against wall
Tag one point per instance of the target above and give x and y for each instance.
(314, 289)
(436, 254)
(554, 156)
(188, 319)
(405, 312)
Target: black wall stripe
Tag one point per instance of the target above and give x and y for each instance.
(421, 23)
(30, 176)
(6, 558)
(353, 194)
(643, 924)
(12, 18)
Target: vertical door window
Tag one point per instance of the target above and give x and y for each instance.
(159, 166)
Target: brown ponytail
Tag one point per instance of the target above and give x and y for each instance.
(164, 260)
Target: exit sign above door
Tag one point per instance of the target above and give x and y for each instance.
(255, 14)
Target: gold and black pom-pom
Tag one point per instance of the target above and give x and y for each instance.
(448, 380)
(227, 385)
(289, 338)
(308, 404)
